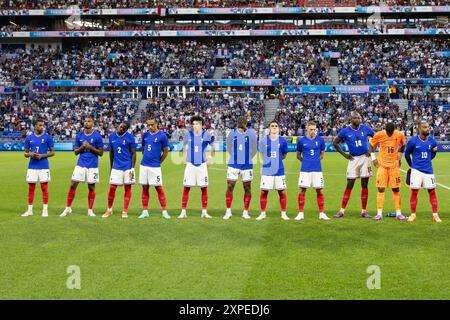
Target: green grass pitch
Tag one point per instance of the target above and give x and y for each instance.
(216, 259)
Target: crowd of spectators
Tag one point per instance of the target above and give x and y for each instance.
(64, 114)
(136, 59)
(219, 110)
(370, 61)
(102, 4)
(332, 112)
(295, 62)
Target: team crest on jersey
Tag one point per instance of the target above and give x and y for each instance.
(156, 139)
(42, 140)
(123, 141)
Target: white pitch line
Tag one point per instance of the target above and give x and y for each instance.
(439, 184)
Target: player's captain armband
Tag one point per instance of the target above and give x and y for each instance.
(372, 156)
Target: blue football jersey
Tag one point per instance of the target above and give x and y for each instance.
(356, 139)
(422, 154)
(122, 145)
(311, 149)
(39, 144)
(241, 146)
(196, 146)
(153, 145)
(273, 151)
(88, 159)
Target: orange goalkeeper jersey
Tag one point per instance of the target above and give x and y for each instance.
(388, 147)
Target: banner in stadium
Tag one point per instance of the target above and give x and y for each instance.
(335, 89)
(83, 12)
(219, 33)
(424, 81)
(225, 11)
(157, 82)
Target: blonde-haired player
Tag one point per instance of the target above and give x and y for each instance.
(388, 172)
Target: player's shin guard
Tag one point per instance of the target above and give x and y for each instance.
(145, 197)
(433, 200)
(91, 199)
(247, 199)
(397, 200)
(263, 200)
(70, 197)
(364, 197)
(185, 197)
(44, 189)
(413, 200)
(301, 202)
(346, 197)
(321, 202)
(111, 195)
(228, 199)
(204, 198)
(161, 197)
(283, 200)
(127, 197)
(380, 200)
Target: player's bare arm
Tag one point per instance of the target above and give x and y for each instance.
(372, 154)
(184, 154)
(79, 149)
(111, 157)
(133, 157)
(164, 154)
(94, 150)
(336, 144)
(299, 155)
